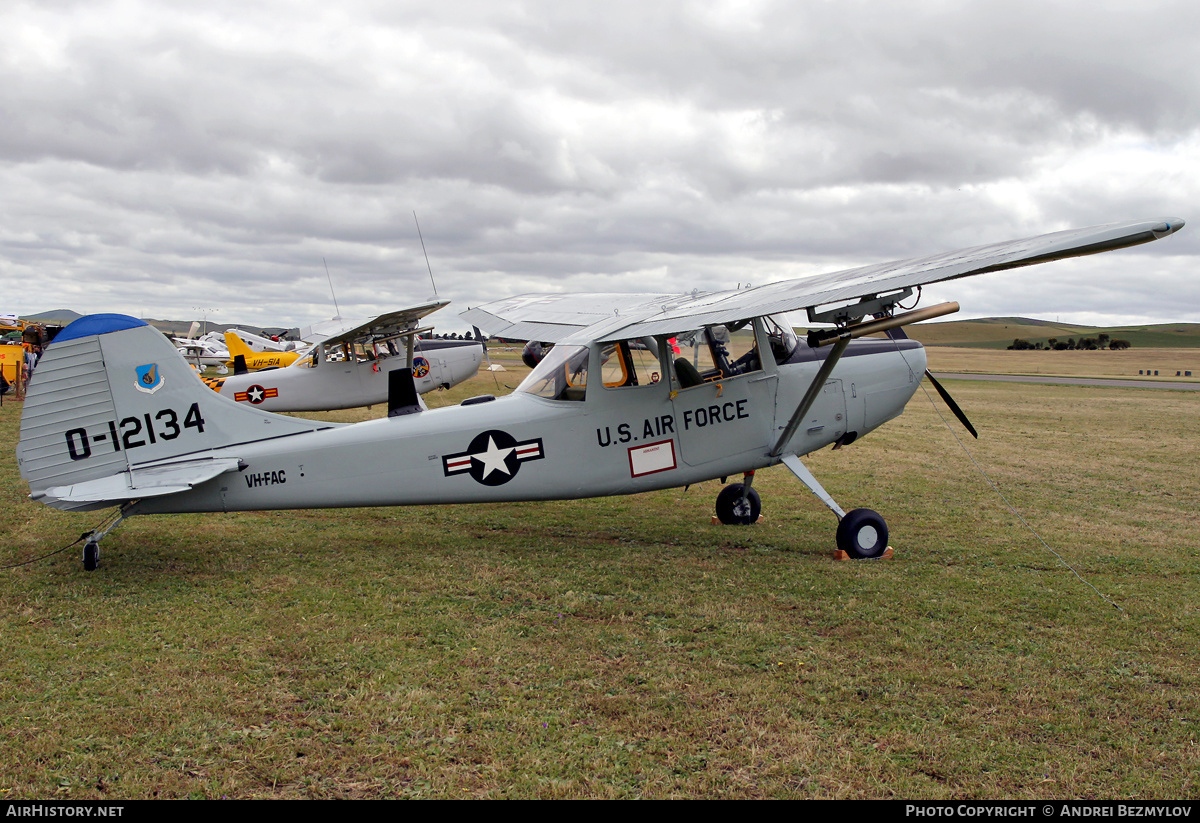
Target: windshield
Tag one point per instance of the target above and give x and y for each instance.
(783, 339)
(562, 374)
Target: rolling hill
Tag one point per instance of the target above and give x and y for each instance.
(999, 333)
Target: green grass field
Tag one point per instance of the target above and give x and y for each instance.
(625, 647)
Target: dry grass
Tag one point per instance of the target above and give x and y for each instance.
(625, 648)
(999, 332)
(1119, 364)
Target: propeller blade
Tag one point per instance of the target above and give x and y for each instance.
(898, 334)
(962, 418)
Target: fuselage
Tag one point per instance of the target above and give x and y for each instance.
(605, 440)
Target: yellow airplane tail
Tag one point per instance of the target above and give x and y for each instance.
(237, 346)
(240, 355)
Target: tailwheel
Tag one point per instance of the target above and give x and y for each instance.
(91, 554)
(735, 508)
(91, 548)
(862, 533)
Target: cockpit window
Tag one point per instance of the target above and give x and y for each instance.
(783, 339)
(630, 363)
(562, 374)
(309, 360)
(715, 353)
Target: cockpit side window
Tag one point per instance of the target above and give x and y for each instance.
(715, 353)
(310, 360)
(630, 363)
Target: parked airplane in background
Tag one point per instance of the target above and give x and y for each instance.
(263, 344)
(352, 367)
(115, 419)
(251, 360)
(202, 353)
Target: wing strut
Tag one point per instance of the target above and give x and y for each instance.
(814, 389)
(844, 336)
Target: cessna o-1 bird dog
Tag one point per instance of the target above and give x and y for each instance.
(352, 366)
(115, 418)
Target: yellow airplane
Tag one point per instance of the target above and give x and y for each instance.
(255, 360)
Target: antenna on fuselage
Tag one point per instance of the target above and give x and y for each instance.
(336, 310)
(425, 253)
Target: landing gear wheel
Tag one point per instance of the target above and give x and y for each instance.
(732, 510)
(862, 534)
(91, 555)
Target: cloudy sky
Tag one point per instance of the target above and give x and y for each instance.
(166, 159)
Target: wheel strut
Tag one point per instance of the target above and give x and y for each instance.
(91, 547)
(861, 533)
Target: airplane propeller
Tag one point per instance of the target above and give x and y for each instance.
(898, 334)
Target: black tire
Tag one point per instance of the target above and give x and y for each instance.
(733, 511)
(862, 534)
(91, 555)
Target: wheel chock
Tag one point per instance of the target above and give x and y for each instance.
(838, 554)
(716, 521)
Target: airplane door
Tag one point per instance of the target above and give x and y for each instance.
(723, 418)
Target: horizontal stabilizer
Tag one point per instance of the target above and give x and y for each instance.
(136, 483)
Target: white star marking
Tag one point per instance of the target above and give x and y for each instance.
(493, 459)
(256, 395)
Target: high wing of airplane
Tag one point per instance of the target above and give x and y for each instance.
(638, 393)
(353, 367)
(551, 317)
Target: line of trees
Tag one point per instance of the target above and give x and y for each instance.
(1103, 341)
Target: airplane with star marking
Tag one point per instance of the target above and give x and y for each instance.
(351, 363)
(636, 393)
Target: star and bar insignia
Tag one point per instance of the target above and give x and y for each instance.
(255, 395)
(493, 458)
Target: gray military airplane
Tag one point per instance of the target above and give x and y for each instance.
(639, 392)
(352, 367)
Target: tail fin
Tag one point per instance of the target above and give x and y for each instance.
(115, 414)
(236, 346)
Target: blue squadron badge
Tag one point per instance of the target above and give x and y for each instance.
(420, 367)
(149, 379)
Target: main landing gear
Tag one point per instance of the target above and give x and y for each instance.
(91, 553)
(738, 504)
(861, 533)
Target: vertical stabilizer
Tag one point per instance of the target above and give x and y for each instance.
(112, 399)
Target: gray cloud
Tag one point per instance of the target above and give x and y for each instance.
(154, 158)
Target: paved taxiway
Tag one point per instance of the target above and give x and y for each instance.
(1074, 381)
